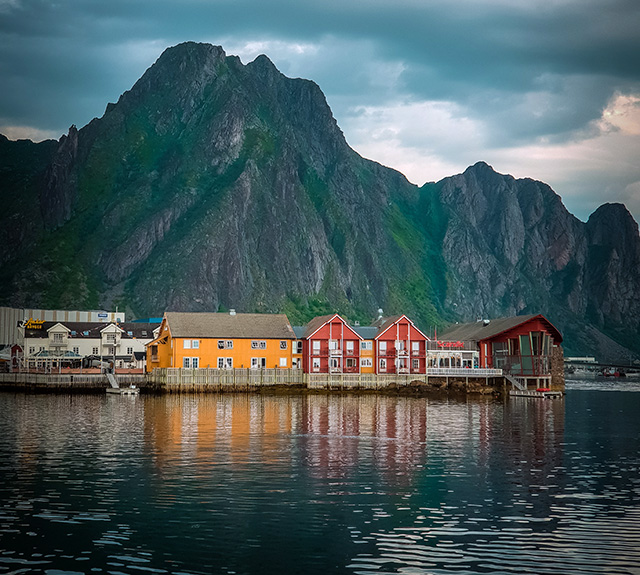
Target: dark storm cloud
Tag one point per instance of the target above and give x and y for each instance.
(69, 56)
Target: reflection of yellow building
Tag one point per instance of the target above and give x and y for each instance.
(224, 341)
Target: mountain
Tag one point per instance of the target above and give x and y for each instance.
(212, 184)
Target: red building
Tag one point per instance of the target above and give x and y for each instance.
(400, 346)
(521, 346)
(330, 346)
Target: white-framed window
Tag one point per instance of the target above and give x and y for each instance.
(129, 350)
(298, 348)
(333, 344)
(366, 362)
(258, 344)
(195, 344)
(186, 344)
(415, 363)
(415, 347)
(351, 362)
(76, 350)
(111, 338)
(258, 362)
(316, 364)
(366, 345)
(383, 365)
(349, 346)
(283, 344)
(186, 362)
(32, 350)
(195, 362)
(225, 344)
(225, 363)
(283, 362)
(399, 345)
(316, 347)
(95, 351)
(58, 337)
(382, 346)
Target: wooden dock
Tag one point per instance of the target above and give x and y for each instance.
(535, 393)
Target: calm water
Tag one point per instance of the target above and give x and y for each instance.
(319, 484)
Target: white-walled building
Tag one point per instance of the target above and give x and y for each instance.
(48, 343)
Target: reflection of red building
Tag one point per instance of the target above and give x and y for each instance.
(521, 346)
(400, 346)
(330, 346)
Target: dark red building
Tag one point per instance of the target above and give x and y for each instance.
(521, 346)
(400, 346)
(330, 346)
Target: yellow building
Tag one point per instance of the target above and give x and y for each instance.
(222, 340)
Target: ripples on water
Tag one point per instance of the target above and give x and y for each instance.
(320, 484)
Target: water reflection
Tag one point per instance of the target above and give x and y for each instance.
(318, 483)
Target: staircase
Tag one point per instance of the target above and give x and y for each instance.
(516, 382)
(113, 382)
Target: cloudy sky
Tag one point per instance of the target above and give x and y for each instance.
(547, 89)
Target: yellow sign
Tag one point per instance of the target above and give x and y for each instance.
(34, 324)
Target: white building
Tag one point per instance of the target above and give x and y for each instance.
(11, 317)
(54, 344)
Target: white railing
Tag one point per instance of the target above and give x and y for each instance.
(464, 372)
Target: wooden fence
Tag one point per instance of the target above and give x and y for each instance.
(68, 381)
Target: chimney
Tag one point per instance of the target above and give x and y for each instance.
(232, 311)
(486, 321)
(379, 313)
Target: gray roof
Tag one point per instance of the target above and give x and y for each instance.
(299, 330)
(479, 330)
(365, 331)
(227, 326)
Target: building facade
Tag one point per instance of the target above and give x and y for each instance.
(223, 341)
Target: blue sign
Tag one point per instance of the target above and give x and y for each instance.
(103, 315)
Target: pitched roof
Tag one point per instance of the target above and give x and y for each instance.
(479, 330)
(316, 323)
(365, 331)
(227, 326)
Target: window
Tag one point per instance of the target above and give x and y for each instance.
(349, 346)
(111, 338)
(129, 350)
(144, 332)
(76, 350)
(298, 348)
(258, 362)
(333, 344)
(194, 362)
(335, 364)
(186, 362)
(195, 344)
(32, 350)
(186, 344)
(383, 365)
(225, 344)
(95, 351)
(316, 364)
(399, 345)
(351, 362)
(283, 344)
(316, 348)
(382, 347)
(366, 345)
(258, 344)
(57, 337)
(415, 364)
(283, 361)
(129, 333)
(74, 332)
(366, 362)
(225, 363)
(415, 347)
(85, 333)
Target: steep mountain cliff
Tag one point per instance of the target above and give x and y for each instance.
(214, 184)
